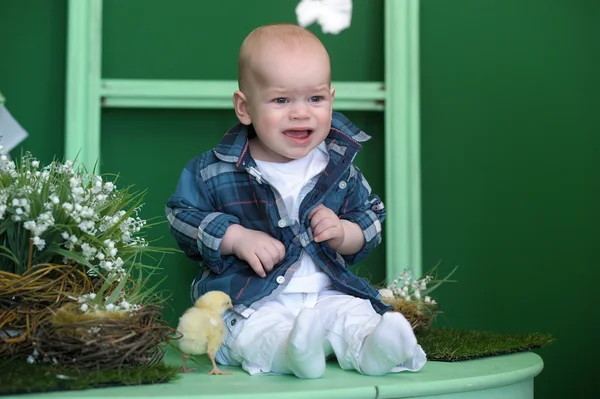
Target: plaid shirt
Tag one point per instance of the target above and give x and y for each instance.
(223, 186)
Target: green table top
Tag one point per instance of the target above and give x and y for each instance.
(434, 378)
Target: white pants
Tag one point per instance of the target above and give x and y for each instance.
(258, 342)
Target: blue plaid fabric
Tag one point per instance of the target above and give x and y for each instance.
(224, 186)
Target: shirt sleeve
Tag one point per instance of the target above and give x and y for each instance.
(194, 224)
(366, 210)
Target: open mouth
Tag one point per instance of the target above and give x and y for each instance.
(298, 134)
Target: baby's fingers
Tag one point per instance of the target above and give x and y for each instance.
(326, 234)
(268, 258)
(257, 266)
(315, 210)
(280, 250)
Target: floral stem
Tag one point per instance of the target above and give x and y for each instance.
(30, 254)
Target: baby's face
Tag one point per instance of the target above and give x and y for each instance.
(290, 102)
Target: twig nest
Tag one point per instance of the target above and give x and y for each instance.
(27, 302)
(419, 314)
(104, 340)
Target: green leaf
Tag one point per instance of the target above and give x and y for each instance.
(112, 298)
(440, 282)
(7, 253)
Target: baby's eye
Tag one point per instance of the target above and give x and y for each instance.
(280, 100)
(316, 99)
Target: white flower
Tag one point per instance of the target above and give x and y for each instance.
(427, 299)
(46, 217)
(54, 198)
(384, 292)
(107, 265)
(88, 250)
(39, 243)
(110, 307)
(84, 307)
(417, 294)
(35, 164)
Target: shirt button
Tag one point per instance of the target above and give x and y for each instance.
(342, 185)
(280, 280)
(233, 322)
(281, 223)
(303, 241)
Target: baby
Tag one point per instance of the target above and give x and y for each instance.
(277, 211)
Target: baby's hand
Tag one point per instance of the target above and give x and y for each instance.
(326, 226)
(260, 250)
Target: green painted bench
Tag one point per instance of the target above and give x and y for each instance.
(507, 376)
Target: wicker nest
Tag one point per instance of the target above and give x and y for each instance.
(104, 340)
(27, 302)
(420, 315)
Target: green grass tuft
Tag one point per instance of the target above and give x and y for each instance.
(17, 376)
(449, 345)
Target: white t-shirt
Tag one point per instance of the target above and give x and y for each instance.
(288, 179)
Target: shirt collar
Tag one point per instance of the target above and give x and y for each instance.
(233, 147)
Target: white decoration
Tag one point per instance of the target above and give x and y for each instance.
(11, 132)
(333, 15)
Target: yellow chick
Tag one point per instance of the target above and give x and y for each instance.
(202, 328)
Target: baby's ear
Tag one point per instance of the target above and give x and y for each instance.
(240, 103)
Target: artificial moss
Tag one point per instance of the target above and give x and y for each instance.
(450, 345)
(17, 376)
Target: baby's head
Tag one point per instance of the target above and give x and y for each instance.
(284, 91)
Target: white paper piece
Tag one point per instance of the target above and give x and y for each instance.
(11, 132)
(333, 15)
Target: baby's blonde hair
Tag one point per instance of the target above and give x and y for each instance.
(287, 34)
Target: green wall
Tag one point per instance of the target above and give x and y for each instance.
(510, 172)
(509, 130)
(190, 39)
(32, 71)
